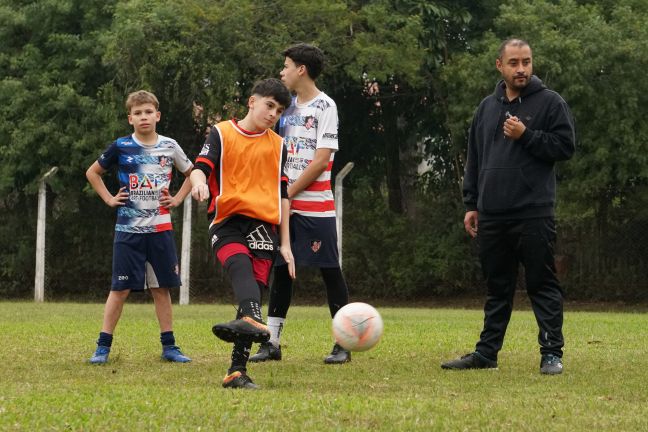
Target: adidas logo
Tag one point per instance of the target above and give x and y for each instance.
(259, 239)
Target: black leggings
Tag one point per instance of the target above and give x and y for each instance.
(281, 291)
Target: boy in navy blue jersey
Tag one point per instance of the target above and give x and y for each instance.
(144, 250)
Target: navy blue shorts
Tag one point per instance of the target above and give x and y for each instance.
(313, 241)
(144, 260)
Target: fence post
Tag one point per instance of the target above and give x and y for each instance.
(39, 279)
(339, 192)
(185, 257)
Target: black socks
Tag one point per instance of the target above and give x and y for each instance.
(240, 356)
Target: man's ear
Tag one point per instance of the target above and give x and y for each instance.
(251, 101)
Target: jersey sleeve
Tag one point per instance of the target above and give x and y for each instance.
(327, 128)
(209, 157)
(109, 157)
(180, 159)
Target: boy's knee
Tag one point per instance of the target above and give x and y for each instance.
(119, 295)
(159, 292)
(237, 260)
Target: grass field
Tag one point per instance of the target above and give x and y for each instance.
(45, 383)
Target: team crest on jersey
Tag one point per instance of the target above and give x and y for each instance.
(315, 245)
(310, 122)
(163, 161)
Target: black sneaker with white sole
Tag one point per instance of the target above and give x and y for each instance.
(246, 329)
(267, 351)
(474, 360)
(551, 364)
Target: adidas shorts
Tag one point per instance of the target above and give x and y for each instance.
(259, 237)
(143, 260)
(252, 237)
(313, 241)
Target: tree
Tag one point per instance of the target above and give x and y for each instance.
(51, 73)
(591, 53)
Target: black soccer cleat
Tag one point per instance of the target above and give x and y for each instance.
(239, 380)
(245, 329)
(267, 351)
(338, 355)
(473, 360)
(551, 364)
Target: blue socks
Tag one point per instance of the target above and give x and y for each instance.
(167, 338)
(105, 339)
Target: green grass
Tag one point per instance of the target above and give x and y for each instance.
(45, 383)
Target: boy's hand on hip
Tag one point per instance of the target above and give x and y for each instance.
(166, 200)
(119, 199)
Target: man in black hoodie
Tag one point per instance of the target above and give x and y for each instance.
(517, 135)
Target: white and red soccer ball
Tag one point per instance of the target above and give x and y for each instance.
(357, 327)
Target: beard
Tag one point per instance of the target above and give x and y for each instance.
(516, 83)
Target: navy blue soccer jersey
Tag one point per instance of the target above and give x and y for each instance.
(145, 170)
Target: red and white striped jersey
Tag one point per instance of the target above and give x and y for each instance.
(306, 127)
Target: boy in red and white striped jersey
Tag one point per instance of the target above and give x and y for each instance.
(310, 132)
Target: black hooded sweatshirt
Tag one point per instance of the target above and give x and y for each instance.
(515, 179)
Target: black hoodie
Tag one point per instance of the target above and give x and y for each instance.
(515, 179)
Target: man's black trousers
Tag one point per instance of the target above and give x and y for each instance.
(503, 246)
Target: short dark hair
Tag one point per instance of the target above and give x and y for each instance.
(513, 42)
(274, 88)
(307, 55)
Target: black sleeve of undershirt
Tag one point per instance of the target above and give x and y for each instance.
(284, 176)
(209, 158)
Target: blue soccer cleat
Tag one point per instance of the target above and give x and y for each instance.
(172, 353)
(101, 355)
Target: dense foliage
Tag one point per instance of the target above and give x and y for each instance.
(406, 74)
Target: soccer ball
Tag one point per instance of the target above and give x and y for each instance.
(357, 327)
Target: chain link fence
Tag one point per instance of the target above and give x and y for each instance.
(597, 258)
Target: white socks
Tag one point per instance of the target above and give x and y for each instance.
(275, 325)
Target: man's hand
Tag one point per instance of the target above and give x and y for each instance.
(513, 127)
(470, 223)
(119, 199)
